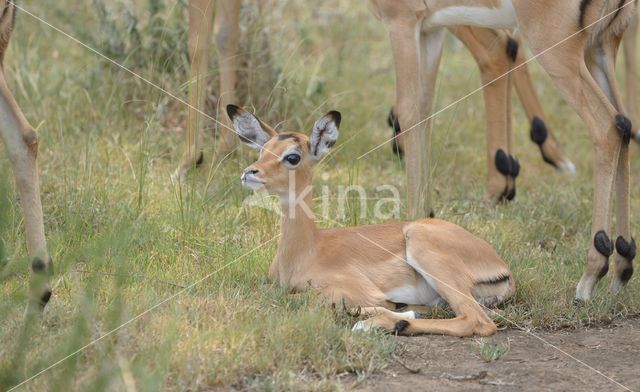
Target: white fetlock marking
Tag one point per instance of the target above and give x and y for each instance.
(567, 167)
(616, 286)
(582, 290)
(178, 177)
(360, 326)
(411, 315)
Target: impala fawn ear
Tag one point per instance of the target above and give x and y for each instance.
(253, 132)
(324, 134)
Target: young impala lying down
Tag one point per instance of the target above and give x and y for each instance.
(413, 265)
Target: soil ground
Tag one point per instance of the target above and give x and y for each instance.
(442, 363)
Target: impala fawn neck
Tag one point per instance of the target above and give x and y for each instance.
(298, 231)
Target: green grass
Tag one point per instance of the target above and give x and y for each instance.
(123, 238)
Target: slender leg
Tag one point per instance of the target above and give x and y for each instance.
(630, 48)
(601, 63)
(470, 317)
(22, 146)
(541, 134)
(566, 66)
(226, 32)
(487, 47)
(403, 33)
(200, 15)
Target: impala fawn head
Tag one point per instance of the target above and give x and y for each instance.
(286, 159)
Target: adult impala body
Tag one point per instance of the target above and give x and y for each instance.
(576, 42)
(494, 51)
(412, 265)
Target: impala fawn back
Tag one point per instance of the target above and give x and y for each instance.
(405, 265)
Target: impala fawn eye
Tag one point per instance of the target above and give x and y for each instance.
(292, 159)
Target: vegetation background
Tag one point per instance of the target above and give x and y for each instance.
(124, 238)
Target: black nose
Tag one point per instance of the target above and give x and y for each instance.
(251, 171)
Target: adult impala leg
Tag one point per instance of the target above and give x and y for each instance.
(404, 34)
(566, 66)
(630, 47)
(487, 47)
(22, 147)
(226, 33)
(601, 62)
(540, 132)
(200, 14)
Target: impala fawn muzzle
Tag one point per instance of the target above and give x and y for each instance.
(411, 266)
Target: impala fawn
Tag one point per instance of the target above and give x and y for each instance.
(381, 268)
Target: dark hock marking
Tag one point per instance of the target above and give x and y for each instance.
(392, 120)
(502, 162)
(508, 166)
(432, 214)
(603, 244)
(394, 124)
(603, 271)
(495, 280)
(515, 167)
(512, 48)
(200, 159)
(44, 300)
(624, 127)
(626, 274)
(626, 249)
(38, 265)
(510, 195)
(584, 4)
(400, 326)
(400, 305)
(539, 132)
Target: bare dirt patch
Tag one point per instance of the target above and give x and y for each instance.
(453, 364)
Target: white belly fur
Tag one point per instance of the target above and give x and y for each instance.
(422, 294)
(503, 17)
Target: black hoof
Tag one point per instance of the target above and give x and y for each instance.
(400, 327)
